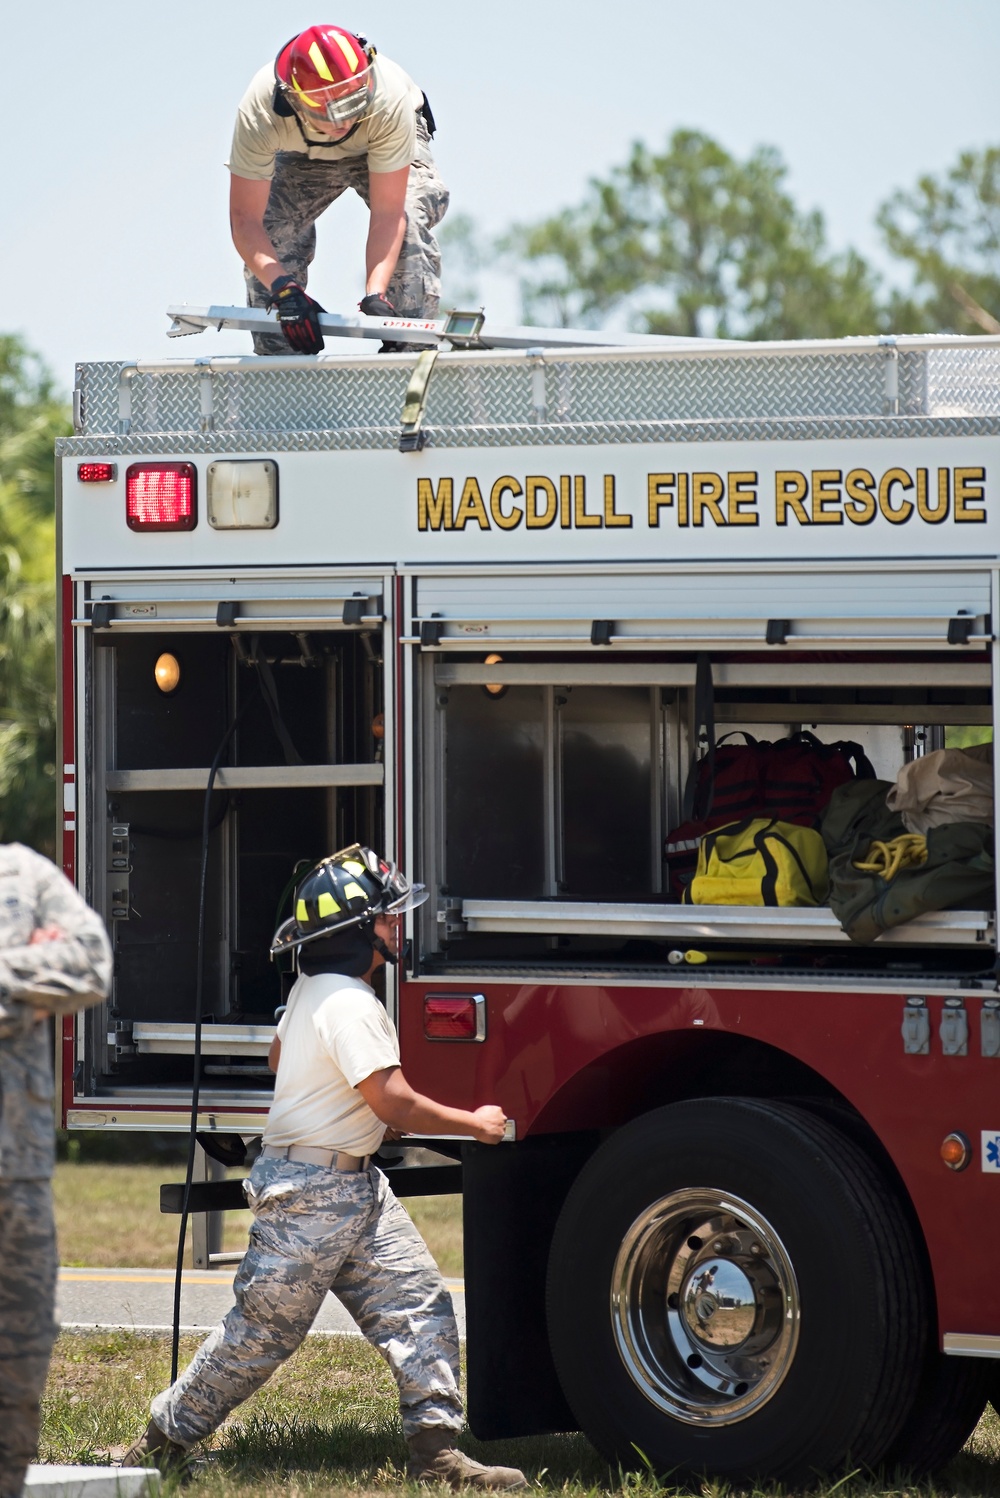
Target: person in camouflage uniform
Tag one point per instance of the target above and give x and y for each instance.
(54, 959)
(329, 114)
(325, 1218)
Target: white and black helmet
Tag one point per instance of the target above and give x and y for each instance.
(350, 888)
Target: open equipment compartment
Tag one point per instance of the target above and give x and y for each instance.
(554, 768)
(302, 687)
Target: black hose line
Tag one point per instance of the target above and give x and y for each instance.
(206, 830)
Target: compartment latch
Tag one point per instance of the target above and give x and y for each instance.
(954, 1028)
(916, 1028)
(989, 1028)
(119, 870)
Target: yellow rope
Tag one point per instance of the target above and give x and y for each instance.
(886, 859)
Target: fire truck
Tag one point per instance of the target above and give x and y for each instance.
(452, 605)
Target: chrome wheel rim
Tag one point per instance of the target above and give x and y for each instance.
(705, 1307)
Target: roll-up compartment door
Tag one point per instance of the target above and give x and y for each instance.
(905, 607)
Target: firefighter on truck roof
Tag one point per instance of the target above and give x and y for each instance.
(325, 1217)
(326, 115)
(55, 958)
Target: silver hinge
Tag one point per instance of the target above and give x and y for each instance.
(954, 1028)
(916, 1028)
(451, 922)
(989, 1028)
(120, 1039)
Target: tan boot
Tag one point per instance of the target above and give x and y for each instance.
(154, 1448)
(433, 1458)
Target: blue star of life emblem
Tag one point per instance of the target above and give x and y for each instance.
(993, 1152)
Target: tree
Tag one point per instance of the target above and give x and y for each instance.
(31, 418)
(947, 231)
(692, 241)
(463, 257)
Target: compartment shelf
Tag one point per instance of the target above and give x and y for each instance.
(705, 923)
(216, 1040)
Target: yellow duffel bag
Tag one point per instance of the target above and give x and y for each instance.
(760, 861)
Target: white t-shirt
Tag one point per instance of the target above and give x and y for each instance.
(387, 135)
(333, 1035)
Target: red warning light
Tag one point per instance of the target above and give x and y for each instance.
(460, 1018)
(161, 496)
(96, 473)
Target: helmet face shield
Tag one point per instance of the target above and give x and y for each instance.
(414, 896)
(400, 894)
(340, 104)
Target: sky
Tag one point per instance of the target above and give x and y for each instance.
(120, 115)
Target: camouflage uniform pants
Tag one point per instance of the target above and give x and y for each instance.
(317, 1230)
(27, 1325)
(302, 189)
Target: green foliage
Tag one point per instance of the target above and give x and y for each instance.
(31, 418)
(692, 241)
(463, 256)
(947, 231)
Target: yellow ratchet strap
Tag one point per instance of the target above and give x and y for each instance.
(411, 438)
(887, 859)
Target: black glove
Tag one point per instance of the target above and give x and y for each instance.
(298, 315)
(374, 305)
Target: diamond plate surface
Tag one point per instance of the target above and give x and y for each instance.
(98, 386)
(252, 400)
(966, 386)
(362, 403)
(567, 434)
(166, 403)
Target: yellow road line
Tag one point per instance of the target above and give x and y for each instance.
(165, 1277)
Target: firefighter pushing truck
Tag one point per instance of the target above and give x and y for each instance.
(490, 609)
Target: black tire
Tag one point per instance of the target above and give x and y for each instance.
(784, 1342)
(951, 1397)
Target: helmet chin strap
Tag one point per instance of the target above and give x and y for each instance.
(384, 950)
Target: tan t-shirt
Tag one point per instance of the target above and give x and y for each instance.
(333, 1034)
(387, 135)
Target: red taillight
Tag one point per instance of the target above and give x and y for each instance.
(455, 1017)
(97, 473)
(161, 496)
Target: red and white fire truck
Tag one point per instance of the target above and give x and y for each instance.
(452, 606)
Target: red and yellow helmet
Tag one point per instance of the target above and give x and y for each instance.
(326, 74)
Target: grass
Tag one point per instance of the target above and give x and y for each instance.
(328, 1423)
(108, 1217)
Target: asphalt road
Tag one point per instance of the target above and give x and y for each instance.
(142, 1300)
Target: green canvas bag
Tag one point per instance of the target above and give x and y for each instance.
(959, 872)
